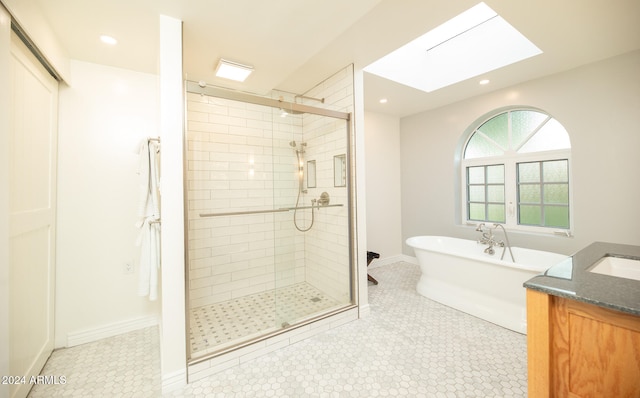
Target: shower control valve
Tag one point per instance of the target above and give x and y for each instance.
(324, 199)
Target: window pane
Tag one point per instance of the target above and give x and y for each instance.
(476, 211)
(475, 175)
(556, 194)
(495, 174)
(476, 193)
(555, 171)
(529, 193)
(478, 147)
(496, 128)
(556, 216)
(529, 172)
(524, 123)
(496, 213)
(551, 136)
(530, 215)
(495, 193)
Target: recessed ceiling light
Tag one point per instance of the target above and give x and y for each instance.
(383, 100)
(233, 70)
(470, 44)
(484, 81)
(108, 40)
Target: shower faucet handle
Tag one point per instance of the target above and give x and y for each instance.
(324, 199)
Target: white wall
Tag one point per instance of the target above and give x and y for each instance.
(5, 100)
(103, 118)
(382, 143)
(597, 104)
(173, 354)
(358, 194)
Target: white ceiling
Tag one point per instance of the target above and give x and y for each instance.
(295, 44)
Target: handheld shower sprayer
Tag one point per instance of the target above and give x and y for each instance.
(300, 150)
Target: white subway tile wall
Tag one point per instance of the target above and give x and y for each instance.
(234, 165)
(239, 158)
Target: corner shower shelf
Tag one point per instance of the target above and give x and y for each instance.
(280, 210)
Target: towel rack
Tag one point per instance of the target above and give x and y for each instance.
(280, 210)
(155, 222)
(155, 139)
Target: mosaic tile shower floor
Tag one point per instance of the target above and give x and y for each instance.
(408, 346)
(221, 324)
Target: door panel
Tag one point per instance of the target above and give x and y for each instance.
(32, 182)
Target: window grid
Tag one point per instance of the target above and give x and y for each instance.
(492, 210)
(543, 206)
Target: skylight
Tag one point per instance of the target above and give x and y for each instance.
(472, 43)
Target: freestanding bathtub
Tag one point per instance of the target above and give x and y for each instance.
(457, 273)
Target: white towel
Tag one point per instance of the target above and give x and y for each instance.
(149, 242)
(149, 211)
(149, 172)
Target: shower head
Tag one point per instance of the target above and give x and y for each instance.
(292, 144)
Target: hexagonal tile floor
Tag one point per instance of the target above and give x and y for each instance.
(408, 346)
(228, 322)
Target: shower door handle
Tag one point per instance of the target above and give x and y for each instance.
(280, 210)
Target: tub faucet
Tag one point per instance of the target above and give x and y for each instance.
(489, 239)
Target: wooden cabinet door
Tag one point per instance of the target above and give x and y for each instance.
(595, 352)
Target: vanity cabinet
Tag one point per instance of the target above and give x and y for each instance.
(580, 350)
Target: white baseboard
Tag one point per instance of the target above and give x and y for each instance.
(174, 381)
(110, 330)
(410, 259)
(364, 311)
(381, 262)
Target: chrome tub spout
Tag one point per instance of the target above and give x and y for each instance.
(506, 237)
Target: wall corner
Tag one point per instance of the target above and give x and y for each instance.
(360, 187)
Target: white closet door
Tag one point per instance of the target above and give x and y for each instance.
(32, 202)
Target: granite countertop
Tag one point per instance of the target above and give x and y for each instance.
(571, 279)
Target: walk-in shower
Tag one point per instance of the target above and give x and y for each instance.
(269, 241)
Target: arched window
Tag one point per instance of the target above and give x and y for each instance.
(515, 169)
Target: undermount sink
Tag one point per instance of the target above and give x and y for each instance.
(621, 267)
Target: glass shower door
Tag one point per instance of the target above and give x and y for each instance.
(268, 242)
(312, 254)
(230, 222)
